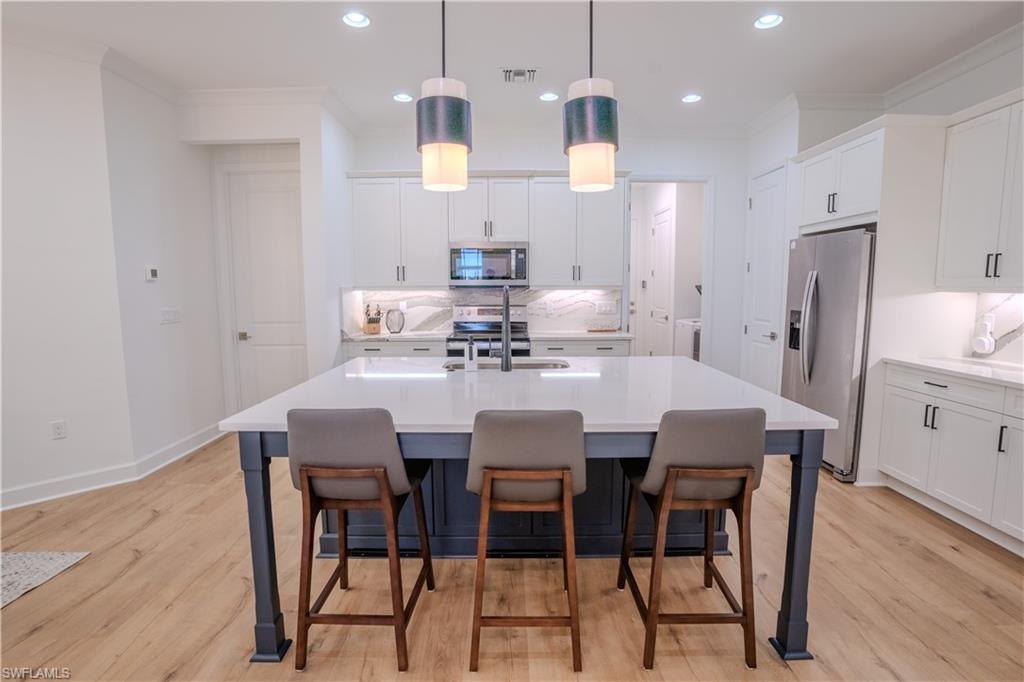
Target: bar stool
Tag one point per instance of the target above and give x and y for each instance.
(350, 459)
(527, 460)
(707, 460)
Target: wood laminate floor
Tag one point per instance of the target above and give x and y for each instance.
(897, 592)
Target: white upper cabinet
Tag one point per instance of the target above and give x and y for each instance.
(843, 183)
(468, 222)
(509, 200)
(599, 239)
(424, 236)
(576, 238)
(552, 233)
(491, 209)
(980, 227)
(400, 233)
(377, 232)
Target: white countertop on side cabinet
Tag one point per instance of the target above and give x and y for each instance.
(615, 394)
(398, 337)
(993, 372)
(580, 336)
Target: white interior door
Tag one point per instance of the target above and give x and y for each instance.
(636, 248)
(662, 282)
(762, 299)
(266, 252)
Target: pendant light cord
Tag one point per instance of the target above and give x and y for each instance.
(591, 38)
(444, 72)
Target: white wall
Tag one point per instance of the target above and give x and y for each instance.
(722, 161)
(161, 201)
(62, 342)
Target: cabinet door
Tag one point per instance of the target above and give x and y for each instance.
(424, 236)
(906, 440)
(858, 176)
(972, 198)
(468, 212)
(377, 229)
(964, 456)
(1008, 506)
(600, 237)
(509, 209)
(1011, 229)
(818, 180)
(552, 233)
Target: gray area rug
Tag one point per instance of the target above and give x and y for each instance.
(24, 571)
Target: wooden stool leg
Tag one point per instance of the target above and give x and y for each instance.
(565, 563)
(709, 545)
(481, 560)
(421, 526)
(747, 584)
(395, 566)
(305, 579)
(343, 548)
(627, 536)
(657, 564)
(569, 534)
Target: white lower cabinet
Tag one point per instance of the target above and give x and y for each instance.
(1008, 505)
(555, 348)
(394, 349)
(906, 436)
(970, 457)
(962, 472)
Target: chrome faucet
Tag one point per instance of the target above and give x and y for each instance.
(506, 333)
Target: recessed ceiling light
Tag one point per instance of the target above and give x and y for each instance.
(548, 97)
(402, 97)
(691, 98)
(356, 20)
(768, 21)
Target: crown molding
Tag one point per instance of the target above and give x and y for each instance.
(53, 42)
(852, 101)
(997, 46)
(120, 65)
(253, 96)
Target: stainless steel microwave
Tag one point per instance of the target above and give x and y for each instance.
(487, 264)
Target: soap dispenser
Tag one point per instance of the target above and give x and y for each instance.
(982, 341)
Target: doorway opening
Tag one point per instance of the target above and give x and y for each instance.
(667, 267)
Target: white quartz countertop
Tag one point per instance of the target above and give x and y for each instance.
(615, 394)
(994, 372)
(401, 336)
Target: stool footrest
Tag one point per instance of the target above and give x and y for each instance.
(350, 619)
(525, 621)
(698, 618)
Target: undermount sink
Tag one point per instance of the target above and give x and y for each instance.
(456, 365)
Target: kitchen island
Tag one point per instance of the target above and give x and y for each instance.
(622, 400)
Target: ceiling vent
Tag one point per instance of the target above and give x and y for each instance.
(513, 76)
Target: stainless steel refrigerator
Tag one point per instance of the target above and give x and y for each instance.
(828, 308)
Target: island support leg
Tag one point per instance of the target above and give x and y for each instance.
(790, 639)
(270, 641)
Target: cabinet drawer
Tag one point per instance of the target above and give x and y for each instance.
(416, 349)
(976, 393)
(367, 349)
(1014, 403)
(611, 347)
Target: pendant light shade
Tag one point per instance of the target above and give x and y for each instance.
(444, 134)
(590, 127)
(444, 129)
(591, 134)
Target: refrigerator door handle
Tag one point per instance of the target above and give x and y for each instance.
(810, 288)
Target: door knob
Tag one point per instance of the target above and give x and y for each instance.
(771, 336)
(244, 336)
(666, 318)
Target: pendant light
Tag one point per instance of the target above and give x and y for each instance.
(590, 126)
(444, 131)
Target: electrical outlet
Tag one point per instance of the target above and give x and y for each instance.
(58, 429)
(605, 308)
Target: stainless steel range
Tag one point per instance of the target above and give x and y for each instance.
(483, 323)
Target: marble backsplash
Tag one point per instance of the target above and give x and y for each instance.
(546, 309)
(1009, 327)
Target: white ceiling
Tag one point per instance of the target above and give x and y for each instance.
(654, 52)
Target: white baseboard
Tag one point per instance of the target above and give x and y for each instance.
(74, 484)
(956, 516)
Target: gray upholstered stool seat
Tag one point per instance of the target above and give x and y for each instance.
(351, 459)
(527, 460)
(707, 460)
